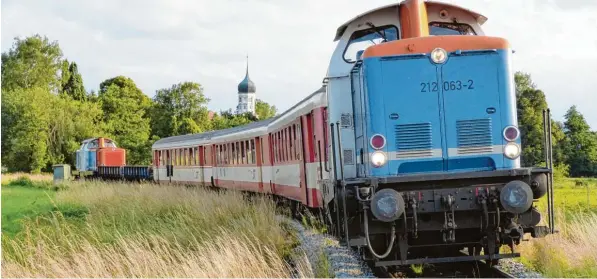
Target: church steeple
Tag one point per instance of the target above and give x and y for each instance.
(247, 85)
(246, 93)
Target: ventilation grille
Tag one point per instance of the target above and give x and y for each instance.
(413, 140)
(474, 136)
(346, 120)
(348, 156)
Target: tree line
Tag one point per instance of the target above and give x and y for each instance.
(47, 112)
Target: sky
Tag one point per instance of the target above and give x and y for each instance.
(158, 43)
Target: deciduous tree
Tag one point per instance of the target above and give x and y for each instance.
(126, 117)
(264, 110)
(581, 144)
(32, 62)
(180, 109)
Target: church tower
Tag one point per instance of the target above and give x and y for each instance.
(246, 94)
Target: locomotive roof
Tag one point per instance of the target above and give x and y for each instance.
(201, 138)
(481, 19)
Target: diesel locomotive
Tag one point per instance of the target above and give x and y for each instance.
(410, 149)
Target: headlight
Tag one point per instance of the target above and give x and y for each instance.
(516, 197)
(387, 205)
(439, 55)
(512, 150)
(378, 159)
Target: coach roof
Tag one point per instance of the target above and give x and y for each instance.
(204, 138)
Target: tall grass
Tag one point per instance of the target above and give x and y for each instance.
(8, 177)
(572, 252)
(143, 230)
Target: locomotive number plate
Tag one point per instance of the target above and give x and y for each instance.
(453, 85)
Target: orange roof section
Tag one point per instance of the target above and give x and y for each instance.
(427, 44)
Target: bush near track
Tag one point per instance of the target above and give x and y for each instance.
(97, 229)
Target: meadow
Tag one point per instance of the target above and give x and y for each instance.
(98, 229)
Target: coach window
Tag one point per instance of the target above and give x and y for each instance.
(362, 39)
(275, 144)
(248, 148)
(238, 157)
(253, 154)
(282, 146)
(287, 133)
(190, 156)
(196, 155)
(243, 153)
(280, 152)
(228, 154)
(293, 142)
(299, 142)
(175, 157)
(233, 154)
(185, 157)
(180, 157)
(288, 139)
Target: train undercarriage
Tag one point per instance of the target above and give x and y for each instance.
(439, 215)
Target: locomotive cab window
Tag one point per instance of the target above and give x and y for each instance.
(447, 28)
(362, 39)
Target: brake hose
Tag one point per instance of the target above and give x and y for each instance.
(392, 238)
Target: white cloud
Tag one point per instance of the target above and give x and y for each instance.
(158, 43)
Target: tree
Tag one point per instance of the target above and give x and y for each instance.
(180, 109)
(264, 110)
(74, 85)
(72, 122)
(32, 62)
(581, 144)
(126, 117)
(227, 119)
(25, 125)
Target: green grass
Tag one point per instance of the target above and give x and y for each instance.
(24, 199)
(323, 268)
(19, 204)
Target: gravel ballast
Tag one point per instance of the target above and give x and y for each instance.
(343, 261)
(517, 269)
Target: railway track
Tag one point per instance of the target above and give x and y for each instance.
(477, 269)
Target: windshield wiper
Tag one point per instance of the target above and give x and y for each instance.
(377, 31)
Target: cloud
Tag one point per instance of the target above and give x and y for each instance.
(159, 43)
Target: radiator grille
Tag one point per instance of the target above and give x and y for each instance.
(348, 157)
(346, 120)
(413, 140)
(474, 136)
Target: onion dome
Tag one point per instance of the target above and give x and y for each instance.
(246, 85)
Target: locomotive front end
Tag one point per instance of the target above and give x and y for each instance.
(440, 152)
